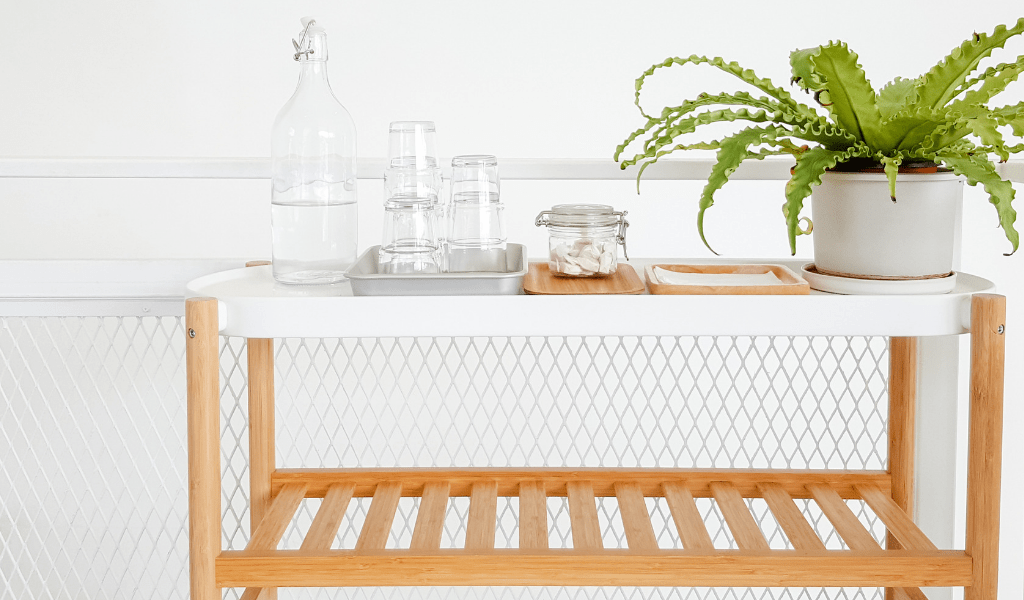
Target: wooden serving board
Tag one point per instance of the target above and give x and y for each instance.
(792, 284)
(623, 281)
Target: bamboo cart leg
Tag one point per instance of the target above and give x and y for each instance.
(902, 406)
(202, 344)
(262, 458)
(985, 442)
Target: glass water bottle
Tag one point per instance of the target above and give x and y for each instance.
(313, 196)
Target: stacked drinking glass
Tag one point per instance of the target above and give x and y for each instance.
(412, 241)
(476, 220)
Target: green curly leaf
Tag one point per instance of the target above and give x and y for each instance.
(912, 129)
(993, 81)
(672, 115)
(819, 130)
(941, 84)
(748, 76)
(733, 151)
(1012, 115)
(689, 125)
(947, 134)
(984, 127)
(810, 166)
(654, 145)
(834, 73)
(782, 146)
(989, 72)
(1016, 125)
(712, 145)
(894, 96)
(978, 169)
(891, 164)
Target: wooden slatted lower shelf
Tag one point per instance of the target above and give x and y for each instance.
(293, 568)
(699, 563)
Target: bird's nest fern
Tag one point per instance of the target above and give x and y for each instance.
(942, 117)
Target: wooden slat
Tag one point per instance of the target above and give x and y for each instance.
(483, 514)
(636, 521)
(842, 518)
(255, 593)
(692, 531)
(202, 344)
(602, 479)
(897, 568)
(902, 416)
(380, 516)
(328, 518)
(896, 521)
(586, 529)
(533, 515)
(262, 462)
(985, 442)
(742, 524)
(906, 593)
(275, 522)
(430, 518)
(262, 458)
(789, 517)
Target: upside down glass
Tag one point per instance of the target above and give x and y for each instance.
(476, 236)
(413, 176)
(412, 144)
(410, 240)
(411, 182)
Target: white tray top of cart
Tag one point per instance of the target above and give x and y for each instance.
(252, 304)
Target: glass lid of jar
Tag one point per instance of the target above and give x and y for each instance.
(581, 215)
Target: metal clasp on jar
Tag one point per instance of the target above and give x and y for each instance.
(620, 237)
(542, 218)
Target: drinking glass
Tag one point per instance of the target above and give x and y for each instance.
(475, 179)
(412, 144)
(410, 241)
(413, 176)
(476, 236)
(406, 183)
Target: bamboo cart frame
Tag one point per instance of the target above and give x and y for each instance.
(908, 561)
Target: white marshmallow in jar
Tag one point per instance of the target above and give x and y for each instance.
(583, 239)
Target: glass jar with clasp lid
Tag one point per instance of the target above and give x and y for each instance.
(584, 239)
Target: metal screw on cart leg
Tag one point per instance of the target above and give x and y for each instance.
(1001, 329)
(192, 333)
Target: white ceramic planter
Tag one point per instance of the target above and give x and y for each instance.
(860, 232)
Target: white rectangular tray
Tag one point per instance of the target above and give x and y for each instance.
(367, 280)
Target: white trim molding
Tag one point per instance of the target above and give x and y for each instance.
(544, 169)
(371, 168)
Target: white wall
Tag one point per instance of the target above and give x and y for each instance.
(516, 79)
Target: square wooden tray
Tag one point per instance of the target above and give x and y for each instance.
(792, 284)
(624, 280)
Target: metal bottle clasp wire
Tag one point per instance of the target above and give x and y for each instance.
(302, 41)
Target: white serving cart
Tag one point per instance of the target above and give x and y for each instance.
(247, 303)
